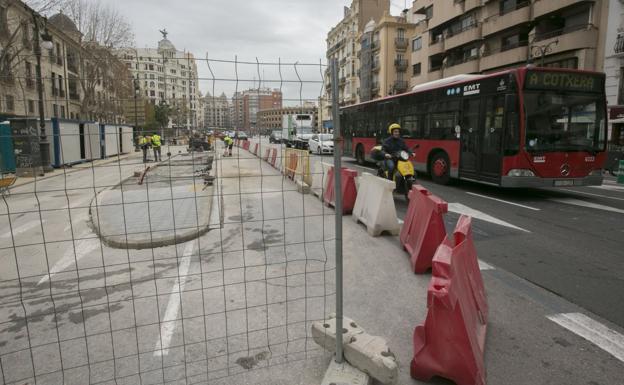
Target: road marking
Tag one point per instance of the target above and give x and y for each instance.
(462, 209)
(605, 338)
(578, 202)
(82, 248)
(75, 220)
(611, 187)
(503, 201)
(167, 327)
(23, 228)
(485, 266)
(595, 195)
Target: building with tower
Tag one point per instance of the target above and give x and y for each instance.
(165, 75)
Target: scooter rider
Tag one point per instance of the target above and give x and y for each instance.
(392, 145)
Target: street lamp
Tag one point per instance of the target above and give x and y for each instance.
(543, 50)
(44, 145)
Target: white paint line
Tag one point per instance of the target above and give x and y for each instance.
(504, 201)
(76, 221)
(485, 266)
(605, 338)
(582, 203)
(167, 327)
(595, 195)
(82, 248)
(611, 187)
(23, 228)
(462, 209)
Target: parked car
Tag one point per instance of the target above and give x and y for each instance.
(276, 136)
(321, 144)
(241, 135)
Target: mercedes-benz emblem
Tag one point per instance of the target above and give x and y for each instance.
(565, 169)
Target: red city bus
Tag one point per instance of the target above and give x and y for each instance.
(523, 127)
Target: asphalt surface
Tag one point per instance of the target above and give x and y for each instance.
(572, 246)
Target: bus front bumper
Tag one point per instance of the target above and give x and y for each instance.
(531, 181)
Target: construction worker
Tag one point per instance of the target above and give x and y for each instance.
(144, 146)
(229, 143)
(156, 146)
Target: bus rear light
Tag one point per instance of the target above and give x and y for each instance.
(520, 172)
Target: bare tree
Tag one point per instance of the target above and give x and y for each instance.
(99, 23)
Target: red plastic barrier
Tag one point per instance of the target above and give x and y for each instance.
(255, 151)
(246, 145)
(349, 192)
(423, 230)
(451, 342)
(273, 157)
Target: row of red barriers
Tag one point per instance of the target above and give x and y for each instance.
(451, 342)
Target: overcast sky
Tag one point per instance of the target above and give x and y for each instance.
(288, 30)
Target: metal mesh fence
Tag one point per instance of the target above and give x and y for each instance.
(197, 269)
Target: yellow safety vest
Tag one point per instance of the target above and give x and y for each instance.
(142, 140)
(156, 140)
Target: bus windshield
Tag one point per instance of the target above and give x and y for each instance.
(558, 121)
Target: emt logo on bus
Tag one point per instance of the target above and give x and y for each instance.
(563, 81)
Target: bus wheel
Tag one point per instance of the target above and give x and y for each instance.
(440, 168)
(359, 155)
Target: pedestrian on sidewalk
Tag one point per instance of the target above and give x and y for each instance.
(156, 144)
(229, 143)
(143, 144)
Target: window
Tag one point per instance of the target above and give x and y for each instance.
(620, 96)
(400, 33)
(416, 44)
(62, 112)
(10, 103)
(4, 23)
(151, 67)
(31, 106)
(152, 93)
(55, 109)
(152, 84)
(416, 69)
(26, 39)
(173, 71)
(429, 12)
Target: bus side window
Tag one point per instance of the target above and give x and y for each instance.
(512, 131)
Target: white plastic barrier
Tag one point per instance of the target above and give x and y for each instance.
(93, 147)
(319, 178)
(374, 205)
(127, 144)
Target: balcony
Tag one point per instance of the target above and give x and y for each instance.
(400, 43)
(436, 47)
(567, 39)
(470, 65)
(400, 85)
(375, 45)
(466, 35)
(504, 57)
(508, 20)
(471, 4)
(618, 49)
(74, 96)
(400, 64)
(375, 87)
(434, 74)
(544, 7)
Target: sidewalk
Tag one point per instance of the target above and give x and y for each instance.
(387, 299)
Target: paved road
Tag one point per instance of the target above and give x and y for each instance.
(570, 241)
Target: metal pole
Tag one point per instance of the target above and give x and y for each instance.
(44, 145)
(338, 205)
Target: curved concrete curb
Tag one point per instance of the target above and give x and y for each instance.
(173, 237)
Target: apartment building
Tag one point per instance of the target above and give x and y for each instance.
(166, 75)
(384, 58)
(343, 45)
(479, 36)
(217, 111)
(614, 70)
(271, 119)
(253, 100)
(80, 80)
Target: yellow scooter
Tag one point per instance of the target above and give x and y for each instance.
(404, 174)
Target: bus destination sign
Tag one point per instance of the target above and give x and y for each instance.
(564, 81)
